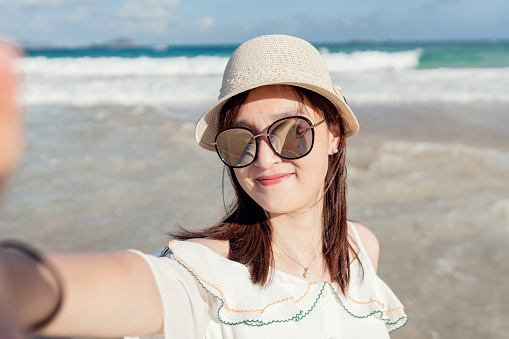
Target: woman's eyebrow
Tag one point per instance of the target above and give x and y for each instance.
(245, 123)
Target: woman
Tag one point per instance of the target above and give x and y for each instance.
(284, 261)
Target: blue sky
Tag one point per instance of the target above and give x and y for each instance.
(77, 22)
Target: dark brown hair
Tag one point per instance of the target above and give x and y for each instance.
(245, 224)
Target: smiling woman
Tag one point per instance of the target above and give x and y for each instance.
(289, 218)
(284, 261)
(303, 177)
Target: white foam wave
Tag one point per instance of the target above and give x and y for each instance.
(115, 66)
(88, 82)
(371, 60)
(459, 85)
(202, 65)
(122, 91)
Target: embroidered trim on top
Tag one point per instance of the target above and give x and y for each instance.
(382, 312)
(295, 301)
(253, 322)
(374, 301)
(297, 317)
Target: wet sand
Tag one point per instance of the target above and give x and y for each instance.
(431, 181)
(435, 190)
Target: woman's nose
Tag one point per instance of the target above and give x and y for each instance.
(266, 156)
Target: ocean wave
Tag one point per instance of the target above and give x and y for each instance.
(445, 85)
(371, 60)
(369, 77)
(396, 156)
(203, 65)
(125, 91)
(116, 66)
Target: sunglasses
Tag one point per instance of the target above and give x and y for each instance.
(290, 138)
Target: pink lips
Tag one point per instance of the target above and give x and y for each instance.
(273, 179)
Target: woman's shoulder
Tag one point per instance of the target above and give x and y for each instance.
(369, 241)
(221, 247)
(367, 238)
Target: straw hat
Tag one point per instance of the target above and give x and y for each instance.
(273, 60)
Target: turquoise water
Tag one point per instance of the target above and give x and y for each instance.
(466, 54)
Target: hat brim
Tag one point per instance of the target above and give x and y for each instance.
(206, 127)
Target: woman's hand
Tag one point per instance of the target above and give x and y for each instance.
(10, 120)
(10, 130)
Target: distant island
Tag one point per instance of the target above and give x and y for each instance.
(118, 43)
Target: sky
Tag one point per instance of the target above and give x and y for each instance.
(189, 22)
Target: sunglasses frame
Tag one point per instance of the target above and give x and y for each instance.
(311, 126)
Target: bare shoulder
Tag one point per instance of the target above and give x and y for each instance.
(370, 243)
(221, 247)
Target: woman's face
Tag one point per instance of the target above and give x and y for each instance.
(279, 185)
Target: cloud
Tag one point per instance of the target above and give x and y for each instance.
(54, 3)
(206, 23)
(29, 3)
(81, 15)
(21, 6)
(147, 16)
(148, 9)
(353, 22)
(41, 23)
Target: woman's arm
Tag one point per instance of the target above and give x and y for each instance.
(105, 294)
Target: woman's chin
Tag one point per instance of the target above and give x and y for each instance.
(278, 207)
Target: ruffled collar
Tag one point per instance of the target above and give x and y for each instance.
(287, 298)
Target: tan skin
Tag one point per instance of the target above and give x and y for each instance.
(101, 284)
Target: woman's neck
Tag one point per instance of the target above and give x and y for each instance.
(297, 235)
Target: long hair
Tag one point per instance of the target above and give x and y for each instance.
(245, 224)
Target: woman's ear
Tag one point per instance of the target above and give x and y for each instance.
(334, 139)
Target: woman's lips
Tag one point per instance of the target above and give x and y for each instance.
(273, 179)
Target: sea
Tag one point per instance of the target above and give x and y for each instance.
(166, 76)
(110, 162)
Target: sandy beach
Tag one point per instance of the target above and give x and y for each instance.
(429, 180)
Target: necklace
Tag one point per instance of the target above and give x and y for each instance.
(306, 274)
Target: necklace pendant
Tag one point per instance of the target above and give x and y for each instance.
(306, 273)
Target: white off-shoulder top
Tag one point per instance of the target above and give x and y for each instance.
(208, 296)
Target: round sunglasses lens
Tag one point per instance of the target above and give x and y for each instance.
(236, 147)
(291, 138)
